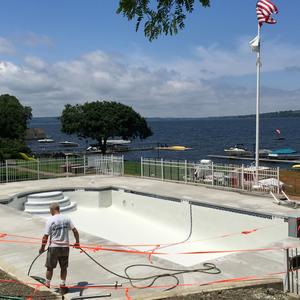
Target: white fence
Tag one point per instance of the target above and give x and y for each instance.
(20, 170)
(110, 165)
(217, 175)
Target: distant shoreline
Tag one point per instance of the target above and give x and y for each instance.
(279, 114)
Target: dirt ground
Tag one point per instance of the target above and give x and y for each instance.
(291, 180)
(260, 293)
(239, 294)
(16, 289)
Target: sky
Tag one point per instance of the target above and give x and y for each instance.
(58, 52)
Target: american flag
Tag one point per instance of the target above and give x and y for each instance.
(264, 9)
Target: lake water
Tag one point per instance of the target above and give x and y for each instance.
(204, 136)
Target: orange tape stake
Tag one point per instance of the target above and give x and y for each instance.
(248, 231)
(127, 294)
(151, 253)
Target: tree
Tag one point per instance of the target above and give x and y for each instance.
(13, 123)
(11, 148)
(167, 16)
(13, 117)
(103, 120)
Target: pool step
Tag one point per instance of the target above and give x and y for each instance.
(57, 195)
(39, 210)
(39, 203)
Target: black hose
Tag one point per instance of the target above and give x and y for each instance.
(32, 263)
(209, 268)
(187, 238)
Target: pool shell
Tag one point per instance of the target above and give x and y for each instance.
(170, 225)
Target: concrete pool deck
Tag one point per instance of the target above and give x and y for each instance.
(16, 258)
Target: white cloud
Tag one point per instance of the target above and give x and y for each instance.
(191, 87)
(35, 63)
(215, 62)
(6, 46)
(33, 39)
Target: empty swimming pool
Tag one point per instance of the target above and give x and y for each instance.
(173, 226)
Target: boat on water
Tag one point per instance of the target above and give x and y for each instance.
(68, 144)
(284, 153)
(46, 141)
(117, 145)
(238, 150)
(173, 148)
(264, 153)
(118, 142)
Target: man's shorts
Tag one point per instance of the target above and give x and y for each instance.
(57, 254)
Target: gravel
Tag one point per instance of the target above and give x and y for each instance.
(17, 289)
(239, 294)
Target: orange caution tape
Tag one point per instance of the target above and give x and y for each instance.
(248, 231)
(127, 289)
(154, 245)
(127, 294)
(138, 252)
(151, 253)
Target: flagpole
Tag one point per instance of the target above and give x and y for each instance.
(258, 65)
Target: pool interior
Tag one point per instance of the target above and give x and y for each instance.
(170, 226)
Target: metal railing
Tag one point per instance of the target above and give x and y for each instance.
(216, 175)
(110, 165)
(20, 170)
(292, 277)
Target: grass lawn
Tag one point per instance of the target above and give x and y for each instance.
(291, 179)
(132, 168)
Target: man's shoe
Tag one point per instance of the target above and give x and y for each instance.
(63, 289)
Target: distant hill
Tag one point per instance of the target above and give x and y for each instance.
(277, 114)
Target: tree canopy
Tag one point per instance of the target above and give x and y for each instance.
(101, 120)
(13, 117)
(13, 123)
(158, 16)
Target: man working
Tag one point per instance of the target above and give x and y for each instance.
(57, 228)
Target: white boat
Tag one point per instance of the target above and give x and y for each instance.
(263, 153)
(238, 150)
(45, 141)
(68, 144)
(118, 142)
(91, 148)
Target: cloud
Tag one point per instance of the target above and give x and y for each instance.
(33, 39)
(192, 87)
(35, 63)
(6, 47)
(215, 62)
(292, 69)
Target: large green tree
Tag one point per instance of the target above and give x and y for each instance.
(159, 16)
(13, 123)
(13, 117)
(101, 120)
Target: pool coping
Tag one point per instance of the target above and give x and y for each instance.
(187, 199)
